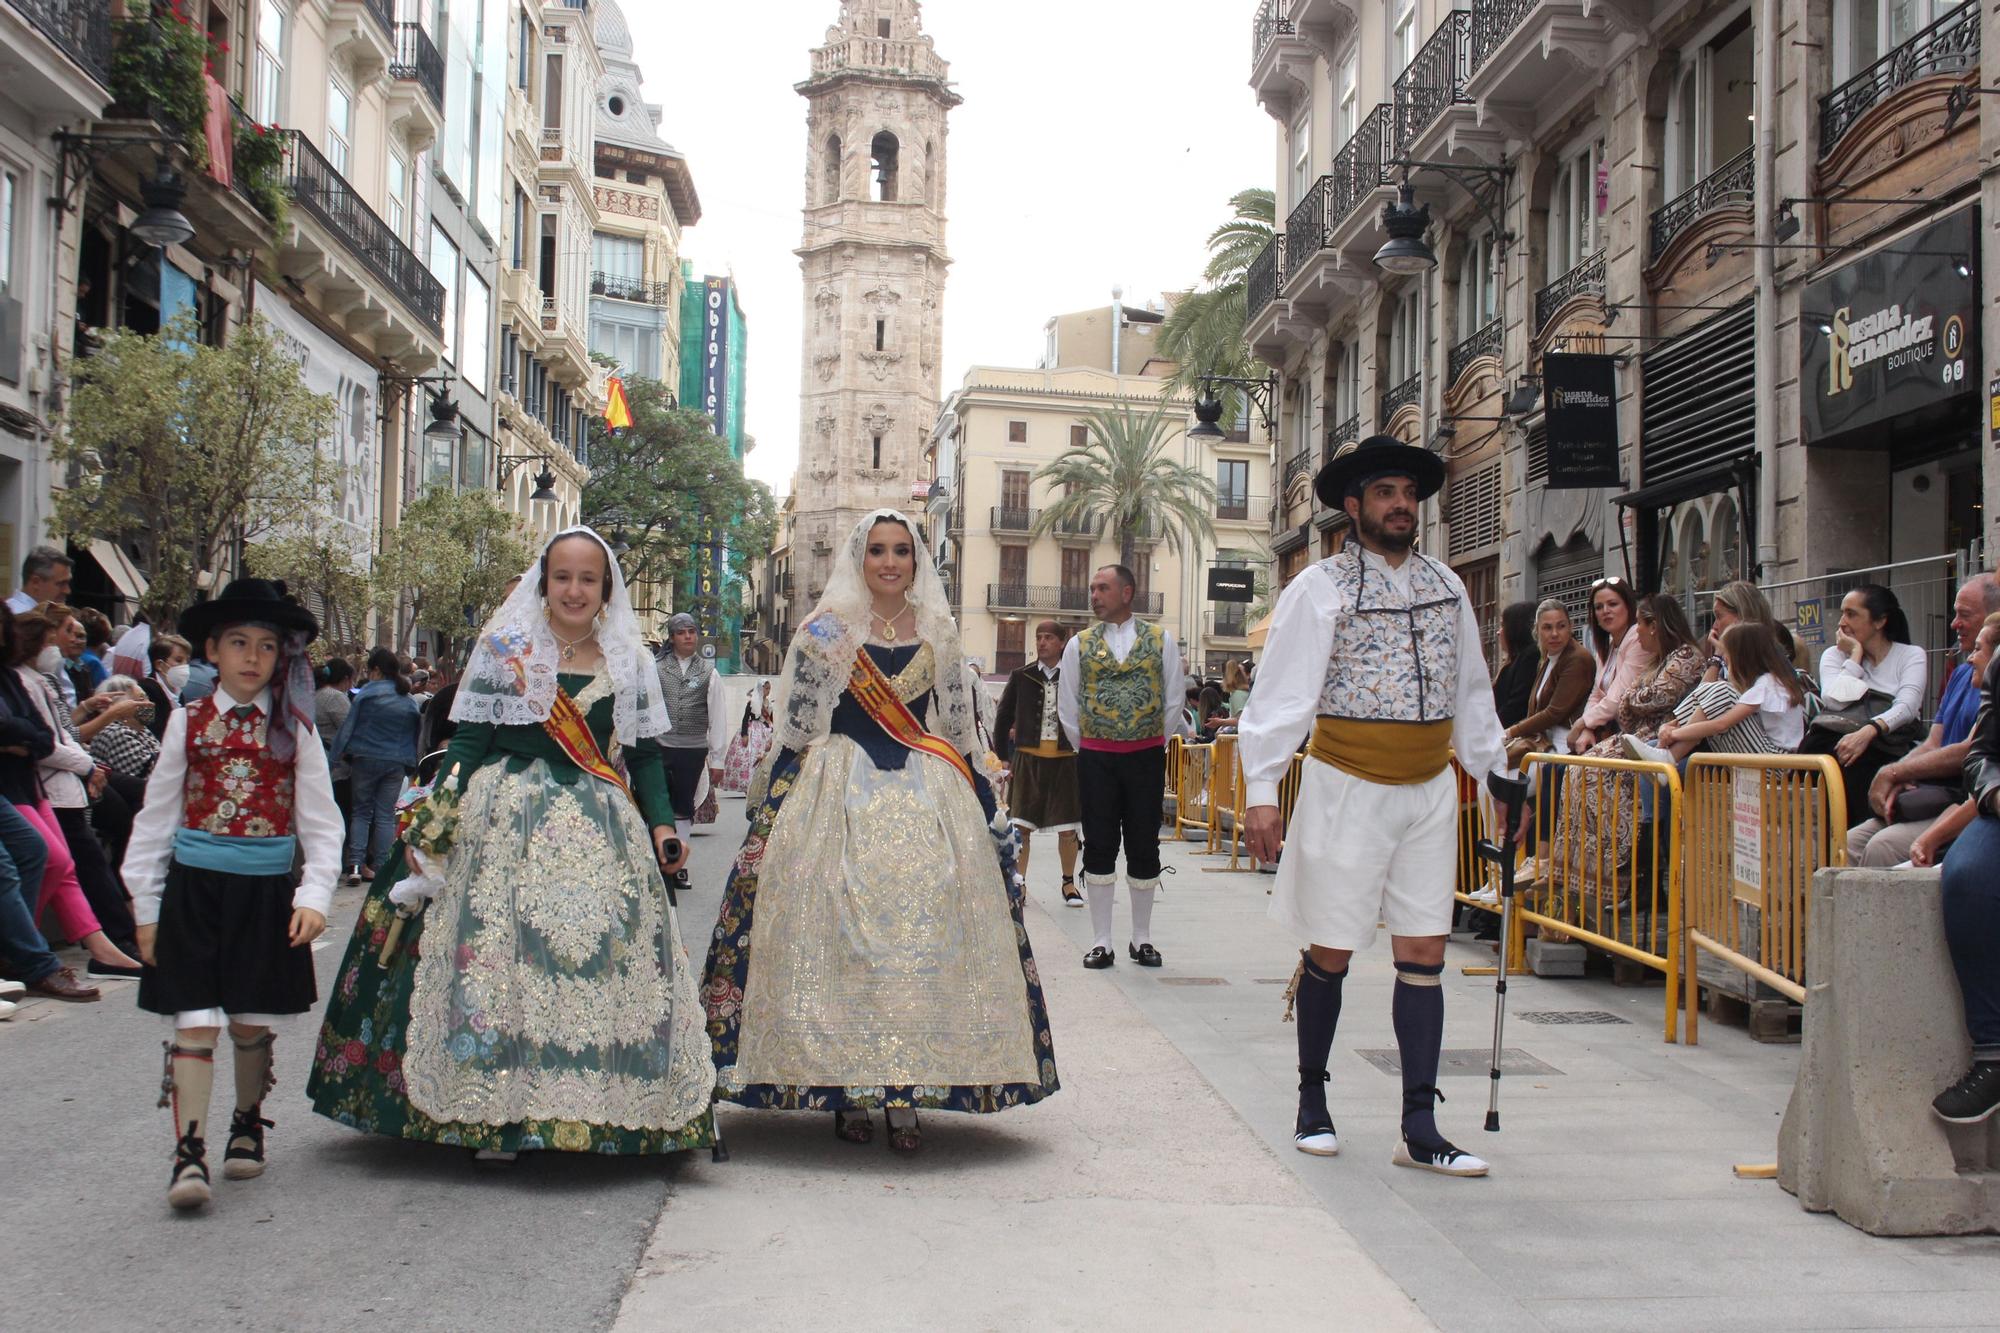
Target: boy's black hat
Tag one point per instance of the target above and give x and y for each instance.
(247, 602)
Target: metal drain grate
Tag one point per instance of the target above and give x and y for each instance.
(1577, 1017)
(1464, 1061)
(1193, 981)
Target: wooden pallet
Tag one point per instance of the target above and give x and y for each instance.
(1768, 1018)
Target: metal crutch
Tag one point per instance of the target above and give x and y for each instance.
(1511, 794)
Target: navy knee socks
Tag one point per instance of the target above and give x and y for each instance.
(1418, 1013)
(1316, 1005)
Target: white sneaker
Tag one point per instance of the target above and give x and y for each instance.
(1443, 1159)
(7, 1010)
(1532, 871)
(12, 990)
(1488, 896)
(1644, 753)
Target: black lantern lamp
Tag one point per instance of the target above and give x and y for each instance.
(1406, 252)
(162, 223)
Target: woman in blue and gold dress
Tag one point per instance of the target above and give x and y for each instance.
(870, 950)
(543, 999)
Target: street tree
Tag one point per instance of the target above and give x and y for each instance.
(668, 487)
(321, 563)
(1122, 473)
(447, 566)
(1203, 332)
(179, 450)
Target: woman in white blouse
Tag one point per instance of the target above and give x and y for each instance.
(1871, 654)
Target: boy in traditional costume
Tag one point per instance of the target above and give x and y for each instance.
(240, 791)
(1041, 791)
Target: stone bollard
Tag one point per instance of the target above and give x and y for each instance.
(1883, 1035)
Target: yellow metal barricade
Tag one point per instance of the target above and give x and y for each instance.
(1608, 848)
(1174, 744)
(1225, 795)
(1759, 826)
(1191, 809)
(1288, 790)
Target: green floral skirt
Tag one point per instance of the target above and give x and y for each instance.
(491, 949)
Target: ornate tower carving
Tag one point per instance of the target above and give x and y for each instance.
(873, 261)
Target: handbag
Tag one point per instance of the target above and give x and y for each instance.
(1836, 719)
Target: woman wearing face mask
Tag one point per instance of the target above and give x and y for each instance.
(869, 951)
(78, 885)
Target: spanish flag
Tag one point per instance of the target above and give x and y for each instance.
(617, 412)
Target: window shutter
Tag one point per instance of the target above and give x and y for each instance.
(1472, 509)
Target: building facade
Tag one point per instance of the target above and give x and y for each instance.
(1688, 196)
(873, 261)
(1001, 426)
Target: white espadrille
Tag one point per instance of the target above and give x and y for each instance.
(1440, 1157)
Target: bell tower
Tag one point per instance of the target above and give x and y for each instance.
(873, 262)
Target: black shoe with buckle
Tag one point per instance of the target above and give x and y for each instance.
(243, 1159)
(1099, 957)
(1145, 955)
(1972, 1098)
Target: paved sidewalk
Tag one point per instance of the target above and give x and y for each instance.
(1612, 1203)
(1135, 1198)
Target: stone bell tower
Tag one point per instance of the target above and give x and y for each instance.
(874, 262)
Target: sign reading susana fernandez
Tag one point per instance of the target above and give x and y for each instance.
(1582, 420)
(1892, 337)
(1231, 585)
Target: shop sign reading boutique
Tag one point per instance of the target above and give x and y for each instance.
(1889, 344)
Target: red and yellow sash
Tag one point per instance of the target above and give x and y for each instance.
(878, 698)
(567, 728)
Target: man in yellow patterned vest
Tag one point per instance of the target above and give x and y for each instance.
(1374, 656)
(1118, 697)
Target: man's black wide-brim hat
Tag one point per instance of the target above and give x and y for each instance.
(1378, 456)
(246, 601)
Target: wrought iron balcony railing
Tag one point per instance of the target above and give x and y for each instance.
(1434, 80)
(1730, 183)
(1586, 279)
(1260, 281)
(82, 28)
(1493, 22)
(1401, 396)
(384, 14)
(1307, 226)
(1234, 508)
(1949, 46)
(1090, 525)
(1298, 464)
(324, 194)
(1231, 624)
(1045, 597)
(1358, 168)
(1483, 341)
(1271, 22)
(631, 289)
(1007, 519)
(417, 59)
(1344, 433)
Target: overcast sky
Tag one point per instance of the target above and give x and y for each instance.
(1099, 144)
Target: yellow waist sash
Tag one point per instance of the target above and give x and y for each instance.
(1396, 754)
(1045, 750)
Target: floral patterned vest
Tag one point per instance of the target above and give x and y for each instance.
(1394, 659)
(1120, 704)
(235, 786)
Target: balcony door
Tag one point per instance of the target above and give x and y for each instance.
(1010, 639)
(1014, 495)
(1014, 567)
(1075, 593)
(1576, 202)
(1866, 30)
(1709, 117)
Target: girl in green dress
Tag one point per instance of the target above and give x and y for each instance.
(542, 998)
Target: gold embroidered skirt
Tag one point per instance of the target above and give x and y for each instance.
(884, 952)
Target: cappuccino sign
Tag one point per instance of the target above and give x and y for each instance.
(1889, 342)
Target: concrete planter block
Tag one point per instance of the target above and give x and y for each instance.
(1555, 958)
(1883, 1035)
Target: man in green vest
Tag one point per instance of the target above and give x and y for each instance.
(1118, 698)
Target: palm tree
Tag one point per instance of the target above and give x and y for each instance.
(1204, 331)
(1122, 473)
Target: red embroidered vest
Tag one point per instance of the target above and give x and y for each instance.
(235, 786)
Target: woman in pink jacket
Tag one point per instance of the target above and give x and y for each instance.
(1621, 661)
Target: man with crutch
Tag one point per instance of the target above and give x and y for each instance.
(1376, 652)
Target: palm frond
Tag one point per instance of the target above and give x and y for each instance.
(1122, 473)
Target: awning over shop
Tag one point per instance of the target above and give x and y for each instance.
(1259, 632)
(119, 569)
